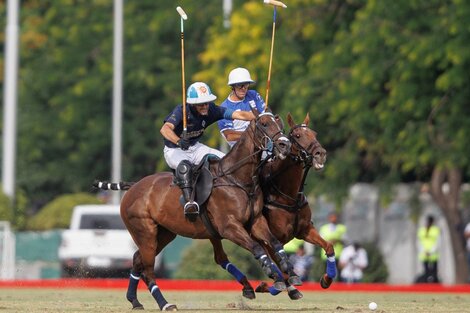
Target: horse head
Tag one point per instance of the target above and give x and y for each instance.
(305, 146)
(269, 136)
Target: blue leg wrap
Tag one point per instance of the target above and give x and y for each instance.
(278, 270)
(273, 291)
(132, 287)
(331, 266)
(157, 295)
(232, 269)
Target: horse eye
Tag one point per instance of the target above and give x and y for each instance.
(297, 136)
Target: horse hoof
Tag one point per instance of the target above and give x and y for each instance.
(279, 285)
(263, 287)
(325, 281)
(249, 293)
(136, 305)
(295, 280)
(294, 294)
(169, 307)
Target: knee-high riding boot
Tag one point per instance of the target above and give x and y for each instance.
(184, 179)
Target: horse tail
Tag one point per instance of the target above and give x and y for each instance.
(104, 185)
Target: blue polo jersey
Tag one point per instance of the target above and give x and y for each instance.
(195, 123)
(252, 100)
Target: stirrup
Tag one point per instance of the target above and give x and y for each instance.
(189, 208)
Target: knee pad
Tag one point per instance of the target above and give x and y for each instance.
(184, 174)
(183, 167)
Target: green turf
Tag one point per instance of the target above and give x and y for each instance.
(105, 301)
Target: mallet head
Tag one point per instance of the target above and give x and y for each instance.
(181, 13)
(275, 3)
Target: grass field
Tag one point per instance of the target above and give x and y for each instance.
(107, 301)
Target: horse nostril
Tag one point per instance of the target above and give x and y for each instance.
(320, 153)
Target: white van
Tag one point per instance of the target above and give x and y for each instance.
(97, 243)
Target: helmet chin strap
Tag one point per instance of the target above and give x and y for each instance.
(236, 95)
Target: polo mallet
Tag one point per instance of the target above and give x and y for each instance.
(183, 84)
(275, 4)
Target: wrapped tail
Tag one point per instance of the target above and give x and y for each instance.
(104, 185)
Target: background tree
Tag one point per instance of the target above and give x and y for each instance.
(401, 102)
(64, 114)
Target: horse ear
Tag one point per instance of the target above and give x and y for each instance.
(290, 120)
(279, 121)
(307, 119)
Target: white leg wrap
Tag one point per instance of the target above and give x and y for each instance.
(166, 306)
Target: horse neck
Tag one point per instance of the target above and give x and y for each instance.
(286, 175)
(242, 160)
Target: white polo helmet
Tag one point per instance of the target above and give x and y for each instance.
(199, 92)
(239, 75)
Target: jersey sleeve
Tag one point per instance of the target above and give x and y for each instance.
(175, 117)
(225, 124)
(260, 104)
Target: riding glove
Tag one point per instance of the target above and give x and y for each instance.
(183, 143)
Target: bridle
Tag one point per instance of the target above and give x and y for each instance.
(305, 157)
(263, 142)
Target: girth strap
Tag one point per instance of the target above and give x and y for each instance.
(207, 222)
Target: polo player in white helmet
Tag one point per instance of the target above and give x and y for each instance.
(241, 98)
(181, 152)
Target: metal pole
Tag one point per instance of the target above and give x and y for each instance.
(10, 98)
(117, 97)
(227, 8)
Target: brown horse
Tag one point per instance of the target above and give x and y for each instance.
(286, 208)
(153, 215)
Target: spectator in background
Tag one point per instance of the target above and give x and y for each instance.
(352, 262)
(302, 262)
(292, 246)
(429, 241)
(467, 238)
(335, 233)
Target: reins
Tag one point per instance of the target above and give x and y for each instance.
(306, 159)
(265, 143)
(260, 146)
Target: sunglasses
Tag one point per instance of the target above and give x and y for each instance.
(242, 85)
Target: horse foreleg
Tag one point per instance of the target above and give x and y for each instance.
(294, 293)
(261, 232)
(221, 258)
(238, 235)
(314, 237)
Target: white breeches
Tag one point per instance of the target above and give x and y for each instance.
(195, 153)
